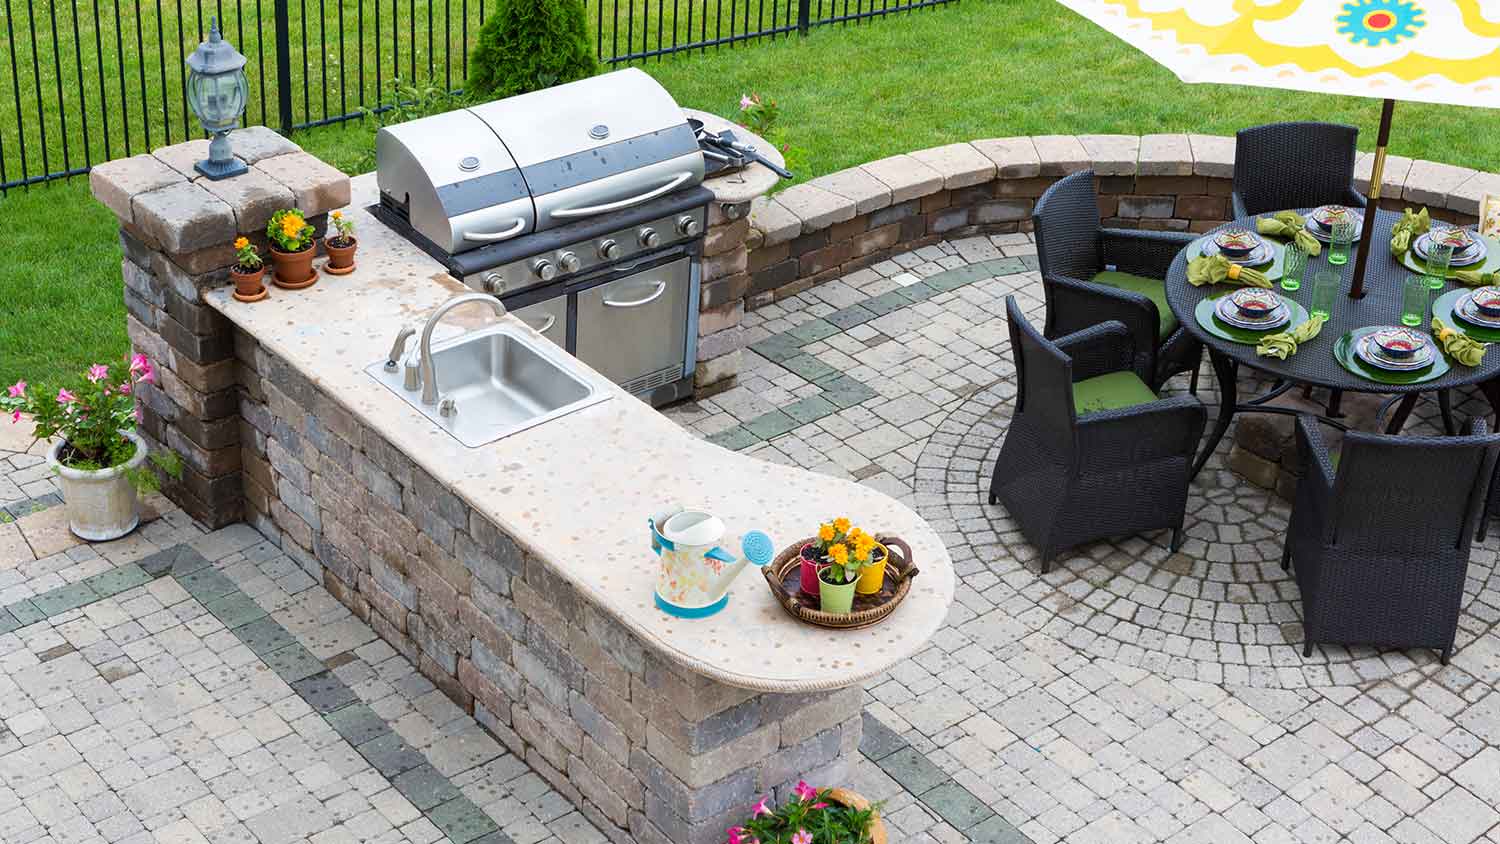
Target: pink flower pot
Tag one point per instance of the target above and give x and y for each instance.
(810, 568)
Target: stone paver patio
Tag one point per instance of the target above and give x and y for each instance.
(183, 686)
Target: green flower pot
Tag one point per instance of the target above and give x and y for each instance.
(836, 597)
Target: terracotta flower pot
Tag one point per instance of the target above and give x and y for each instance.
(340, 258)
(855, 800)
(248, 287)
(294, 269)
(811, 565)
(101, 503)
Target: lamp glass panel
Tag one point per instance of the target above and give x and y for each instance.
(218, 99)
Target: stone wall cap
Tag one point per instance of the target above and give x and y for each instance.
(1060, 154)
(960, 164)
(253, 196)
(1392, 178)
(317, 187)
(867, 192)
(1015, 158)
(1166, 155)
(184, 217)
(774, 221)
(1213, 156)
(1112, 155)
(907, 177)
(1430, 182)
(182, 156)
(253, 144)
(115, 183)
(815, 207)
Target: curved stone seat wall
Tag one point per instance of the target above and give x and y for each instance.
(841, 222)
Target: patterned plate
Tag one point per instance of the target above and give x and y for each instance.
(1226, 311)
(1344, 353)
(1372, 354)
(1326, 235)
(1324, 216)
(1466, 310)
(1262, 255)
(1237, 241)
(1451, 304)
(1477, 251)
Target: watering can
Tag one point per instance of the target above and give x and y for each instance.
(695, 570)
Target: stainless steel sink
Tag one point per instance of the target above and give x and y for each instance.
(495, 382)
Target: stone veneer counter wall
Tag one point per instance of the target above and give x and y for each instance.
(835, 224)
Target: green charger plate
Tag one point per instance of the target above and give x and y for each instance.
(1271, 269)
(1444, 309)
(1491, 260)
(1343, 352)
(1223, 330)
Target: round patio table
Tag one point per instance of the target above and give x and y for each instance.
(1314, 363)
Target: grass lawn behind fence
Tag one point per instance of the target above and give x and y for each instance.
(848, 94)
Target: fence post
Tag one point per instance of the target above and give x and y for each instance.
(804, 16)
(283, 67)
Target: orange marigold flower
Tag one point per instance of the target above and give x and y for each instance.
(825, 533)
(841, 524)
(241, 242)
(337, 215)
(839, 553)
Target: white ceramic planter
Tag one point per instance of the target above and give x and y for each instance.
(101, 504)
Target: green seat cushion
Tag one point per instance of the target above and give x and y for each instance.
(1152, 289)
(1110, 392)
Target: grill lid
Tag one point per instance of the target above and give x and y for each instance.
(569, 152)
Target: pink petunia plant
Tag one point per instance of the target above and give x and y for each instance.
(89, 414)
(809, 816)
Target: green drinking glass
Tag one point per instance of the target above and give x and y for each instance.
(1293, 264)
(1439, 258)
(1325, 290)
(1340, 241)
(1415, 293)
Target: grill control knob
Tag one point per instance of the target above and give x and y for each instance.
(567, 262)
(688, 226)
(494, 284)
(649, 238)
(608, 249)
(544, 269)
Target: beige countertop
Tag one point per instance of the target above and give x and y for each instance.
(577, 491)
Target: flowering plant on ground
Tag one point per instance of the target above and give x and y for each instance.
(810, 817)
(246, 255)
(758, 114)
(89, 413)
(344, 226)
(289, 230)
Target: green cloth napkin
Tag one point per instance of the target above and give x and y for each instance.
(1212, 269)
(1475, 278)
(1283, 344)
(1411, 226)
(1459, 346)
(1290, 224)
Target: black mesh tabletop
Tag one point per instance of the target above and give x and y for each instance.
(1314, 362)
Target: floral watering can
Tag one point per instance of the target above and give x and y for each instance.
(695, 570)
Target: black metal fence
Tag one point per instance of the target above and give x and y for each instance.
(84, 81)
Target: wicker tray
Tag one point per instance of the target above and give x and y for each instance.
(784, 576)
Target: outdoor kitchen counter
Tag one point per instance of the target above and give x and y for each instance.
(577, 491)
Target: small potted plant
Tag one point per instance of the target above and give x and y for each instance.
(836, 581)
(815, 554)
(98, 457)
(292, 241)
(871, 556)
(812, 816)
(248, 271)
(341, 246)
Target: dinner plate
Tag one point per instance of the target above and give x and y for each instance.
(1261, 255)
(1476, 253)
(1226, 311)
(1324, 216)
(1326, 235)
(1371, 353)
(1466, 310)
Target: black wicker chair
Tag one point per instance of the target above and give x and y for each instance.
(1381, 547)
(1092, 274)
(1294, 165)
(1091, 452)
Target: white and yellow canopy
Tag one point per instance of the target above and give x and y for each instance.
(1438, 51)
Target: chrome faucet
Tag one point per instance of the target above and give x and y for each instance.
(424, 348)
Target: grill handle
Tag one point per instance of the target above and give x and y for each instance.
(590, 210)
(661, 287)
(546, 325)
(490, 237)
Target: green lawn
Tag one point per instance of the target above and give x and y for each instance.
(848, 94)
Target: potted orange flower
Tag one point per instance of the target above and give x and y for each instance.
(340, 246)
(292, 241)
(815, 554)
(248, 270)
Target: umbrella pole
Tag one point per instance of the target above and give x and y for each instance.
(1377, 173)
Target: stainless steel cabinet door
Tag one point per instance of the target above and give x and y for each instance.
(633, 330)
(549, 318)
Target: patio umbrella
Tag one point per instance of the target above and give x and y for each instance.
(1435, 51)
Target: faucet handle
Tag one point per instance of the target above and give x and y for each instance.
(412, 376)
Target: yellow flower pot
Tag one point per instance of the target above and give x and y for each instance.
(872, 576)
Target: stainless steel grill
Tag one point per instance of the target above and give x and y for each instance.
(580, 206)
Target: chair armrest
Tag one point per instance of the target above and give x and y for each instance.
(1144, 253)
(1237, 206)
(1074, 305)
(1170, 427)
(1354, 199)
(1312, 453)
(1098, 350)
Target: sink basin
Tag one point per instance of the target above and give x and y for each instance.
(500, 381)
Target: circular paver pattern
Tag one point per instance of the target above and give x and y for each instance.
(1221, 611)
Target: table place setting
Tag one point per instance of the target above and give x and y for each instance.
(1235, 255)
(1249, 314)
(1293, 227)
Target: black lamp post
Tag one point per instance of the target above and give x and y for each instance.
(217, 90)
